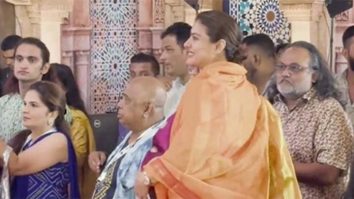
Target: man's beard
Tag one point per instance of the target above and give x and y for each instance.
(351, 63)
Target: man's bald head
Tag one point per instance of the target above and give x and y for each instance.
(142, 103)
(149, 90)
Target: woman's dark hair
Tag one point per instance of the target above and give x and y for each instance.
(325, 84)
(53, 96)
(222, 26)
(11, 85)
(67, 80)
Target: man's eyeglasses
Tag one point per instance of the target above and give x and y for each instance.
(292, 68)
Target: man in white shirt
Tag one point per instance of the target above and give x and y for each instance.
(173, 57)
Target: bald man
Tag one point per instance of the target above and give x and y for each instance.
(141, 111)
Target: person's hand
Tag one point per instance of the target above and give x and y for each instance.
(96, 159)
(141, 190)
(166, 81)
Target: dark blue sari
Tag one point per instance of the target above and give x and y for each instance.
(58, 181)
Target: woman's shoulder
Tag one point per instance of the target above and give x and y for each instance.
(223, 74)
(57, 137)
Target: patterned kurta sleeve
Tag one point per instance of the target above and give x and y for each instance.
(334, 138)
(10, 116)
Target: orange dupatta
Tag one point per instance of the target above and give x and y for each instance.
(226, 142)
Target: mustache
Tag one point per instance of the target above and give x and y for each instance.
(285, 80)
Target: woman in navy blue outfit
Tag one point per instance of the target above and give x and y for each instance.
(46, 165)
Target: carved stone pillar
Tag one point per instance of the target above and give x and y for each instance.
(309, 21)
(158, 25)
(42, 19)
(342, 21)
(27, 17)
(75, 53)
(145, 22)
(82, 74)
(53, 15)
(75, 42)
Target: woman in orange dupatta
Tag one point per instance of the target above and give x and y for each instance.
(226, 140)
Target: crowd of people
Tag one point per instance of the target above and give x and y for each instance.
(251, 121)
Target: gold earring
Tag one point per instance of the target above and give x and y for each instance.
(50, 122)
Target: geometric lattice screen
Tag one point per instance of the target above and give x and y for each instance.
(260, 16)
(113, 43)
